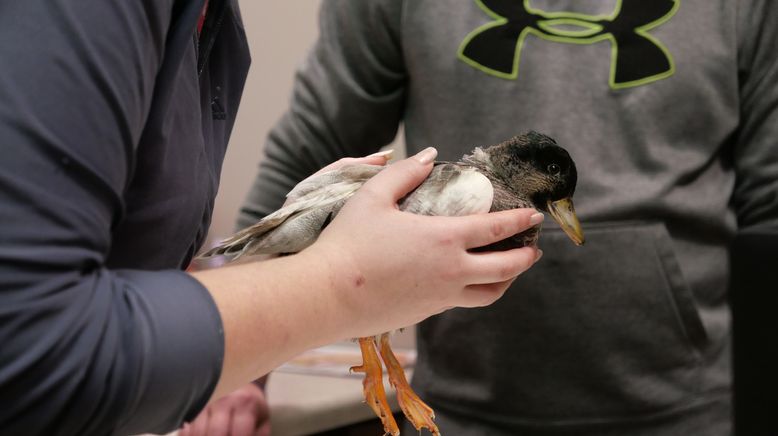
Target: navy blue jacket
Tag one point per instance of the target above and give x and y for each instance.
(114, 119)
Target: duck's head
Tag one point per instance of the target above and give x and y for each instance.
(536, 168)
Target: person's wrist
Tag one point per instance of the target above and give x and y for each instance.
(346, 282)
(328, 269)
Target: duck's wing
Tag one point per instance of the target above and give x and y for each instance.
(312, 204)
(451, 190)
(348, 174)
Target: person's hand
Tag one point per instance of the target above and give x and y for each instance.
(379, 158)
(393, 269)
(243, 412)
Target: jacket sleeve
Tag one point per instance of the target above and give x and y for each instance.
(348, 98)
(756, 148)
(85, 349)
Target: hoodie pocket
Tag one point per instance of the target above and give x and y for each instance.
(597, 332)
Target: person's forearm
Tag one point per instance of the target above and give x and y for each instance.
(260, 330)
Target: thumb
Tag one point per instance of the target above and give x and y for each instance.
(398, 179)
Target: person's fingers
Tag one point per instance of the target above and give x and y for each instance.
(380, 158)
(244, 423)
(499, 266)
(484, 229)
(252, 414)
(485, 294)
(398, 179)
(219, 420)
(199, 426)
(261, 407)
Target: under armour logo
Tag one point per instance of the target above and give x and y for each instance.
(637, 57)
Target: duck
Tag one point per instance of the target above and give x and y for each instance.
(529, 170)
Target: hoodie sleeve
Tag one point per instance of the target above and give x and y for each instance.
(85, 349)
(756, 149)
(347, 100)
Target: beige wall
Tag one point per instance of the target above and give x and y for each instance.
(280, 34)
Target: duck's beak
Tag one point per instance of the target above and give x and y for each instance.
(564, 214)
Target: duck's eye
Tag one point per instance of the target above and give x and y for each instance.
(554, 169)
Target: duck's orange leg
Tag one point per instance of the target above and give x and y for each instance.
(418, 413)
(373, 385)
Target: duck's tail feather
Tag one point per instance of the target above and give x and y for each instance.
(242, 242)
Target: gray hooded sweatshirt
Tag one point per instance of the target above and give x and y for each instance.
(670, 111)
